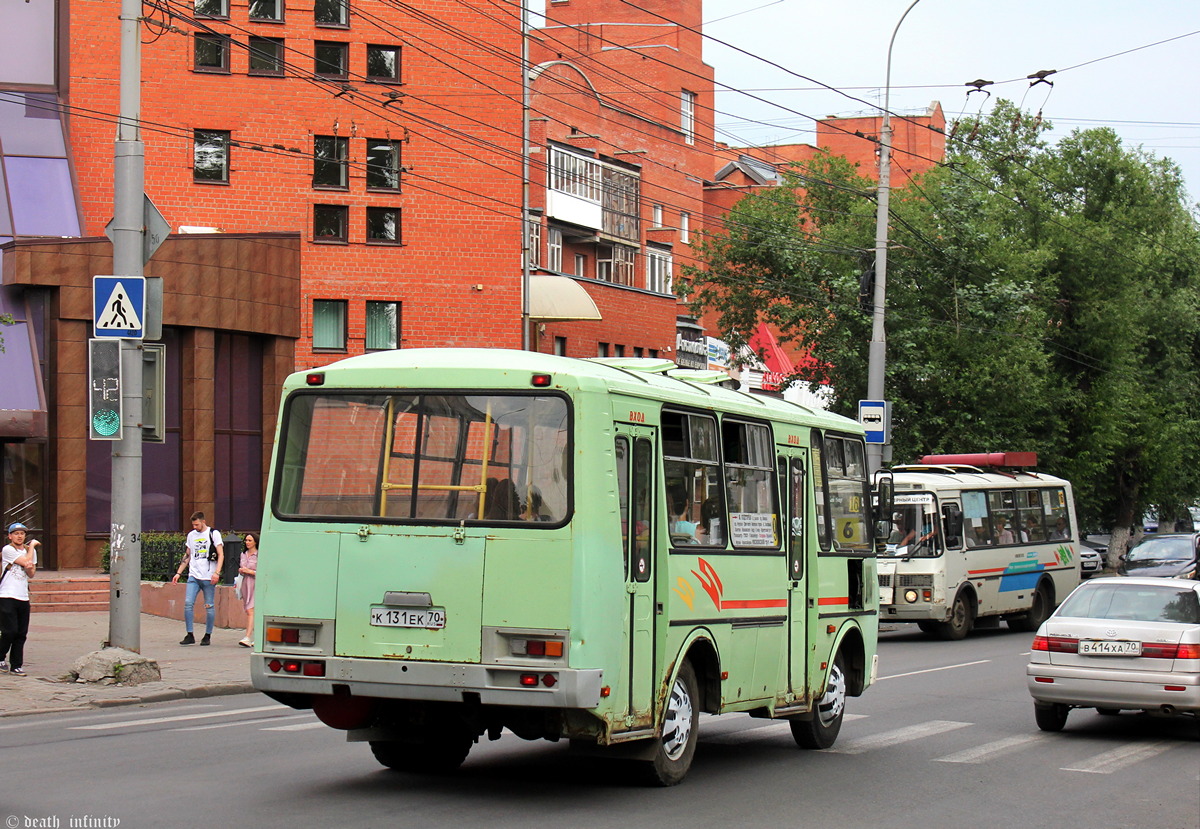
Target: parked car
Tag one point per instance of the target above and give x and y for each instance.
(1171, 555)
(1091, 562)
(1119, 644)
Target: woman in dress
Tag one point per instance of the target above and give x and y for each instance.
(247, 567)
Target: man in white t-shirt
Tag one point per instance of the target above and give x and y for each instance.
(203, 560)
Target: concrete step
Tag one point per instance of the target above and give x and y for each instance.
(63, 593)
(68, 607)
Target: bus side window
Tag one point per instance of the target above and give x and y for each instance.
(819, 495)
(1054, 502)
(976, 527)
(1002, 507)
(621, 453)
(1032, 523)
(952, 525)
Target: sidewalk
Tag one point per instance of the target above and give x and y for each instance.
(57, 640)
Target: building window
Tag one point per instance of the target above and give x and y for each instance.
(575, 174)
(330, 59)
(383, 63)
(687, 116)
(266, 9)
(266, 56)
(383, 325)
(331, 12)
(658, 270)
(383, 225)
(601, 349)
(212, 8)
(615, 263)
(656, 216)
(329, 222)
(685, 221)
(580, 264)
(533, 242)
(554, 249)
(618, 351)
(210, 155)
(329, 324)
(237, 430)
(638, 351)
(383, 164)
(329, 161)
(560, 346)
(212, 53)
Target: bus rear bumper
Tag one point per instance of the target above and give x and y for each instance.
(521, 686)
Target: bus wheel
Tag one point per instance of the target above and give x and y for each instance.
(821, 730)
(439, 754)
(1050, 716)
(962, 619)
(675, 750)
(1038, 612)
(927, 627)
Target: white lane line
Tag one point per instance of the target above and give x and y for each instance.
(235, 723)
(304, 726)
(933, 670)
(992, 750)
(1109, 761)
(179, 718)
(25, 722)
(897, 736)
(759, 731)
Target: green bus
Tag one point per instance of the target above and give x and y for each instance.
(461, 541)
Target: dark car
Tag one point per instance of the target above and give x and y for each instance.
(1164, 555)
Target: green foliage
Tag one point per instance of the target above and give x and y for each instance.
(1039, 297)
(161, 555)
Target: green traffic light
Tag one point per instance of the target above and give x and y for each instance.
(106, 422)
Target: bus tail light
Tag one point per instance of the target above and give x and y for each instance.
(529, 680)
(297, 666)
(292, 635)
(537, 647)
(540, 380)
(315, 378)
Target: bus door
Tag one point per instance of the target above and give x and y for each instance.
(635, 454)
(793, 469)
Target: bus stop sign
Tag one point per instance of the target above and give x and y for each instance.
(876, 418)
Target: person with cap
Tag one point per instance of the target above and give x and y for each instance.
(18, 563)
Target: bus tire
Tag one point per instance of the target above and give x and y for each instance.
(439, 754)
(675, 749)
(927, 626)
(962, 618)
(1038, 612)
(1050, 716)
(822, 728)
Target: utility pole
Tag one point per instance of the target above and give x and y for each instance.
(125, 538)
(525, 252)
(877, 355)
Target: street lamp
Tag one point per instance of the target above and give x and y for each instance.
(877, 354)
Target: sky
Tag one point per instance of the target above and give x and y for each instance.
(1150, 96)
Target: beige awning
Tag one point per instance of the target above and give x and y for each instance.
(559, 298)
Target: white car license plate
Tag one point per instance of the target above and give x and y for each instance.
(432, 618)
(1096, 647)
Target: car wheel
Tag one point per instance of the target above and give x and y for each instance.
(1050, 716)
(821, 730)
(677, 746)
(1032, 619)
(962, 619)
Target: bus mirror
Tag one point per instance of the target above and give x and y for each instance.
(885, 489)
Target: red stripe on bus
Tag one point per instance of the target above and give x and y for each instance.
(733, 603)
(990, 570)
(833, 600)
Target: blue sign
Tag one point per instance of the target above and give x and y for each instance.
(119, 306)
(876, 418)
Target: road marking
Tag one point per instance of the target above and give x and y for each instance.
(1109, 761)
(26, 722)
(898, 736)
(932, 670)
(992, 750)
(180, 718)
(239, 722)
(304, 726)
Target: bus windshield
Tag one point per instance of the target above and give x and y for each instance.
(478, 458)
(914, 526)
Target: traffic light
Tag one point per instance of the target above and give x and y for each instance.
(104, 389)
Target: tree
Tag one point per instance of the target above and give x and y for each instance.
(1039, 297)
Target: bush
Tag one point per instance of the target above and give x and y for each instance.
(161, 555)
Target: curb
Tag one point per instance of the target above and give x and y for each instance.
(199, 692)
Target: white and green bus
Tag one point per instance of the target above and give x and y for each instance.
(461, 541)
(976, 539)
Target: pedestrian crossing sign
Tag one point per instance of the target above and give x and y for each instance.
(119, 306)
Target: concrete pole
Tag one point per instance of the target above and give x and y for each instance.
(877, 355)
(125, 596)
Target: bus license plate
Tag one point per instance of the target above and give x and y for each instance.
(1096, 647)
(431, 618)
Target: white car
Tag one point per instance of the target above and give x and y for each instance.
(1119, 644)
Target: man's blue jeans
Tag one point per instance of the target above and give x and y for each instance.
(194, 586)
